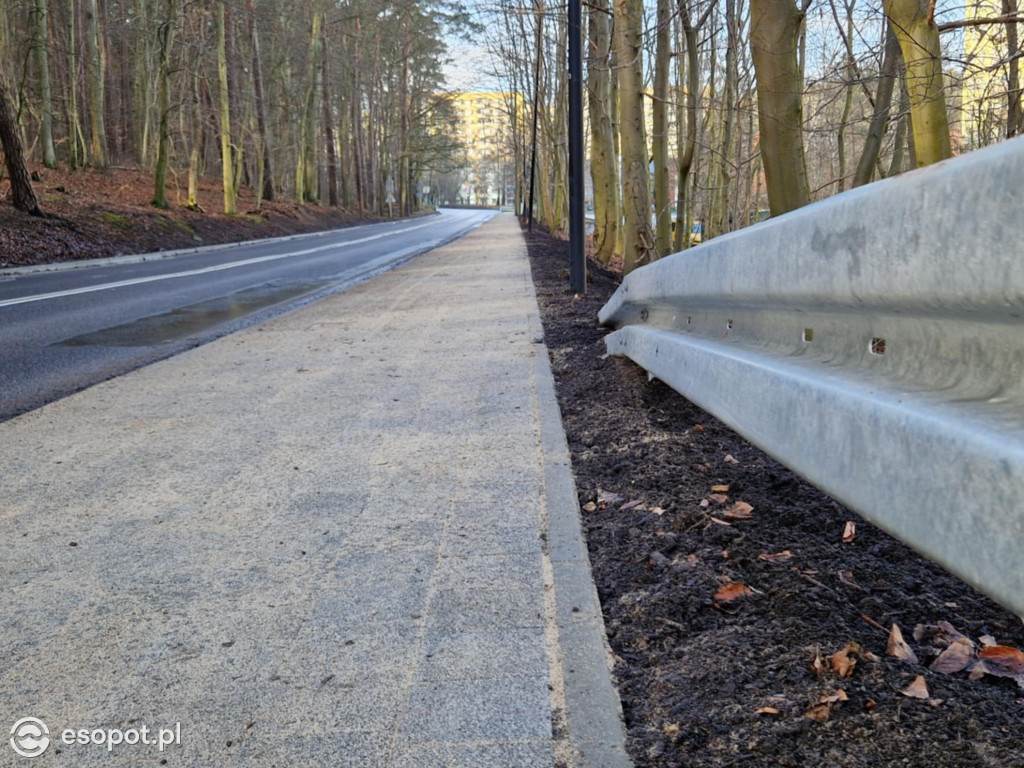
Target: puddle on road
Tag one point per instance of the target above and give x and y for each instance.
(188, 321)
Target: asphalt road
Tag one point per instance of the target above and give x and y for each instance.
(63, 330)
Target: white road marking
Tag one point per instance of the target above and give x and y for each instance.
(203, 271)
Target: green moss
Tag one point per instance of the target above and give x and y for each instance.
(168, 222)
(115, 220)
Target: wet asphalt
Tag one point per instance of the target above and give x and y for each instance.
(64, 330)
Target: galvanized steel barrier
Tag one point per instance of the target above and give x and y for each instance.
(872, 342)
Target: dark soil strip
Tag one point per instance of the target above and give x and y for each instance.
(693, 672)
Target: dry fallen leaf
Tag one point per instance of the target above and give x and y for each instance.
(607, 497)
(657, 511)
(631, 504)
(849, 531)
(954, 659)
(898, 647)
(731, 592)
(671, 729)
(698, 428)
(823, 709)
(941, 634)
(987, 641)
(704, 503)
(917, 689)
(717, 497)
(720, 522)
(845, 660)
(589, 506)
(719, 488)
(767, 711)
(1003, 661)
(818, 665)
(778, 557)
(738, 511)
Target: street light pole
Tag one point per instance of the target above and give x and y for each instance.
(577, 257)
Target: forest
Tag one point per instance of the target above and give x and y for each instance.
(714, 114)
(703, 116)
(340, 104)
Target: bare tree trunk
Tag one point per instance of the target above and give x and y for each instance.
(901, 139)
(883, 105)
(196, 143)
(1014, 117)
(659, 125)
(74, 126)
(358, 167)
(405, 107)
(774, 36)
(227, 166)
(332, 154)
(639, 246)
(265, 160)
(719, 220)
(42, 56)
(306, 175)
(603, 165)
(234, 98)
(687, 140)
(22, 194)
(915, 28)
(163, 149)
(850, 75)
(97, 77)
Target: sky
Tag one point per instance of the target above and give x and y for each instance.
(470, 63)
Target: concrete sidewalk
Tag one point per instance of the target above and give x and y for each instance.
(348, 537)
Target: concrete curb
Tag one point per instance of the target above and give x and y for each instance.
(593, 712)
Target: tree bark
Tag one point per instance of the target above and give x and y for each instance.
(332, 154)
(74, 126)
(42, 55)
(883, 105)
(687, 141)
(1014, 117)
(639, 246)
(265, 160)
(306, 166)
(163, 148)
(23, 196)
(226, 157)
(721, 179)
(850, 77)
(97, 77)
(659, 126)
(919, 40)
(774, 38)
(603, 165)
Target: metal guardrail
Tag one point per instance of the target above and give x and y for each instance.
(872, 342)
